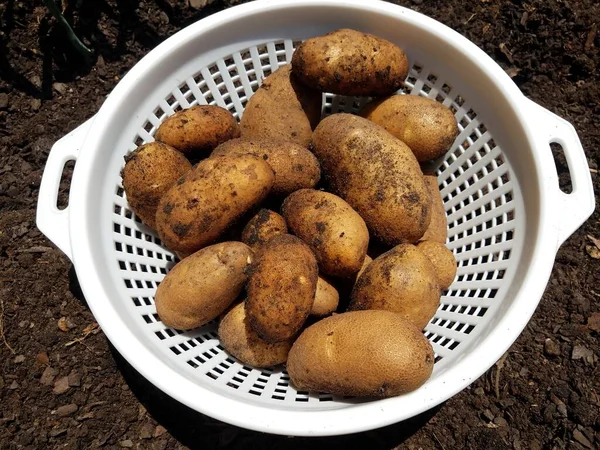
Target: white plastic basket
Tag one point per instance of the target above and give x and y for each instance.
(506, 214)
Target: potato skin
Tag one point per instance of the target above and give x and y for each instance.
(377, 174)
(425, 125)
(349, 62)
(210, 198)
(149, 172)
(295, 167)
(327, 298)
(198, 130)
(336, 233)
(282, 109)
(262, 227)
(241, 341)
(402, 280)
(203, 285)
(438, 227)
(281, 289)
(331, 355)
(443, 261)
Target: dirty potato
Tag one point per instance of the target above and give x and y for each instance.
(349, 62)
(282, 109)
(281, 289)
(443, 261)
(438, 227)
(402, 280)
(337, 235)
(240, 340)
(262, 227)
(198, 130)
(425, 125)
(295, 167)
(362, 354)
(377, 174)
(150, 171)
(203, 285)
(210, 198)
(327, 298)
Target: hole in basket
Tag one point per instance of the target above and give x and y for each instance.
(562, 167)
(65, 184)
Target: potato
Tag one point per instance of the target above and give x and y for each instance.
(295, 167)
(335, 232)
(443, 261)
(209, 199)
(281, 289)
(349, 62)
(241, 341)
(368, 260)
(203, 285)
(327, 298)
(402, 280)
(262, 227)
(198, 130)
(438, 227)
(149, 172)
(377, 174)
(282, 109)
(426, 126)
(362, 354)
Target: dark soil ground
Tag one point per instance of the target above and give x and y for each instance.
(57, 392)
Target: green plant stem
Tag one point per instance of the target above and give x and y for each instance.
(79, 46)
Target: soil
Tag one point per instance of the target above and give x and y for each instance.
(63, 385)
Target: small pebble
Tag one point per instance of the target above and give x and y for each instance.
(14, 385)
(159, 431)
(42, 359)
(57, 432)
(74, 378)
(562, 410)
(551, 348)
(36, 104)
(501, 421)
(61, 385)
(579, 437)
(3, 100)
(48, 376)
(479, 391)
(61, 88)
(19, 359)
(126, 444)
(488, 415)
(66, 410)
(146, 431)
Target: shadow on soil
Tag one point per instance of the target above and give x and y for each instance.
(198, 431)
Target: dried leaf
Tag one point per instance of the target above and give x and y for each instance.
(595, 241)
(593, 251)
(62, 324)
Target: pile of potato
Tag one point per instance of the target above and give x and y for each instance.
(298, 286)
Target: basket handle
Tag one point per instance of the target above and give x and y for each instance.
(50, 220)
(575, 208)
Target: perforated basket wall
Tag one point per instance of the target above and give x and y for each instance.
(479, 196)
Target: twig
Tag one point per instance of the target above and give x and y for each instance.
(77, 44)
(2, 328)
(89, 330)
(499, 366)
(438, 441)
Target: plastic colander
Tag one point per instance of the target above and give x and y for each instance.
(506, 214)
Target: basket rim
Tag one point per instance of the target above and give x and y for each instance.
(357, 418)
